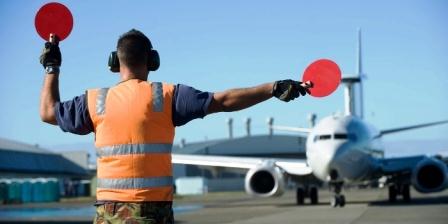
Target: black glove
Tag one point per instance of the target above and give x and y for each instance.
(51, 55)
(288, 89)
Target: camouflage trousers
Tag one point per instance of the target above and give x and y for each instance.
(144, 212)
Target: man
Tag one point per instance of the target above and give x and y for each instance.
(134, 124)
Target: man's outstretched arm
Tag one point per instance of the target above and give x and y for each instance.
(238, 99)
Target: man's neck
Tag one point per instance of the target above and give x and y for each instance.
(124, 78)
(127, 74)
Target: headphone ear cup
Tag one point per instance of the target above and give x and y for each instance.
(153, 60)
(114, 63)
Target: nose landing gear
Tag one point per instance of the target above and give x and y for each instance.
(336, 187)
(338, 198)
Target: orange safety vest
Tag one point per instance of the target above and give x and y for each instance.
(134, 134)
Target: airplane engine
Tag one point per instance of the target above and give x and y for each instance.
(430, 175)
(266, 180)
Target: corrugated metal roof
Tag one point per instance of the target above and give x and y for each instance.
(24, 158)
(20, 146)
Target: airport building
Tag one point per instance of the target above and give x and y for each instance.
(29, 173)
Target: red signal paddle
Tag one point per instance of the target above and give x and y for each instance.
(325, 76)
(53, 18)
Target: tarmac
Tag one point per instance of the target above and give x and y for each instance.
(363, 206)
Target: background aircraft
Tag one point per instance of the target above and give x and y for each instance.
(340, 149)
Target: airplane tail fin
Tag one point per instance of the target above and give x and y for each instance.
(353, 92)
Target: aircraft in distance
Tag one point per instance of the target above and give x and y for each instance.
(339, 149)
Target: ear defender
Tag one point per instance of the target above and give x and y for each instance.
(114, 64)
(153, 61)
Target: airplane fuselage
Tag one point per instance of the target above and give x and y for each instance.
(343, 148)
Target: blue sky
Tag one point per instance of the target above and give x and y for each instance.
(214, 46)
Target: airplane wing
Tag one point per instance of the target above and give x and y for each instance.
(292, 129)
(393, 130)
(297, 167)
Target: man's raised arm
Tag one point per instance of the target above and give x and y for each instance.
(51, 60)
(49, 97)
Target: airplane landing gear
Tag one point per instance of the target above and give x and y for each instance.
(399, 189)
(314, 196)
(300, 196)
(303, 192)
(338, 198)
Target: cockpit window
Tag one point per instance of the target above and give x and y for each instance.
(350, 137)
(337, 136)
(340, 136)
(322, 137)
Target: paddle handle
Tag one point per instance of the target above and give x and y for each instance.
(308, 84)
(53, 38)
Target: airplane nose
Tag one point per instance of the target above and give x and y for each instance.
(347, 163)
(322, 159)
(335, 153)
(339, 152)
(333, 161)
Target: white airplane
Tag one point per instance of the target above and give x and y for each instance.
(339, 149)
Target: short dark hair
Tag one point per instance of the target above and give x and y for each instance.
(133, 48)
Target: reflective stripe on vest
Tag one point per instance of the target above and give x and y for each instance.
(101, 101)
(157, 97)
(135, 183)
(133, 149)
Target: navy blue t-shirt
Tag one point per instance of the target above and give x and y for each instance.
(188, 104)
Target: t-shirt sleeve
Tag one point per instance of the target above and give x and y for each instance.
(73, 116)
(189, 103)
